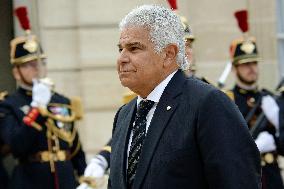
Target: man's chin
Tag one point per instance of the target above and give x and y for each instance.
(249, 82)
(125, 82)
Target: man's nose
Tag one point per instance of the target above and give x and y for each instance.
(123, 57)
(251, 67)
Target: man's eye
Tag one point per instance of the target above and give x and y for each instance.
(119, 50)
(134, 48)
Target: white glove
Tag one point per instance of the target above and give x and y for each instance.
(265, 142)
(41, 94)
(97, 167)
(83, 186)
(270, 110)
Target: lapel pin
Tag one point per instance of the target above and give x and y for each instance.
(168, 108)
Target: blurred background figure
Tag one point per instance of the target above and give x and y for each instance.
(252, 101)
(39, 124)
(189, 39)
(4, 150)
(280, 113)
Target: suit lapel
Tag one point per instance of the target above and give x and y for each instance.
(164, 111)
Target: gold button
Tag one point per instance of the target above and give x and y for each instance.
(269, 158)
(44, 156)
(61, 155)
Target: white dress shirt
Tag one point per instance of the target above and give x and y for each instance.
(155, 96)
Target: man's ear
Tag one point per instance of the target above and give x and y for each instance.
(234, 69)
(16, 73)
(170, 54)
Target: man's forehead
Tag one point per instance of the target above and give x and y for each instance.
(131, 42)
(31, 62)
(134, 35)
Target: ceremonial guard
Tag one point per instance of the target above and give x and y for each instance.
(277, 113)
(4, 150)
(38, 123)
(189, 51)
(189, 39)
(255, 104)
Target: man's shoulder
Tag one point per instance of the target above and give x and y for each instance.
(198, 93)
(197, 88)
(3, 95)
(13, 99)
(11, 102)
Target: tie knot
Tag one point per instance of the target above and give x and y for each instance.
(144, 107)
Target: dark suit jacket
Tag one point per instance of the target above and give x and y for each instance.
(201, 142)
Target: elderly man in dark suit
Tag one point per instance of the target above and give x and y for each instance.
(179, 132)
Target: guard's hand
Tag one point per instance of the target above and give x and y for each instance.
(97, 167)
(271, 110)
(41, 94)
(91, 182)
(83, 186)
(265, 142)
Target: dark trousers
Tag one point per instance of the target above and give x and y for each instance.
(271, 177)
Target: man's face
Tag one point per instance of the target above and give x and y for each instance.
(29, 71)
(247, 72)
(189, 50)
(139, 66)
(189, 56)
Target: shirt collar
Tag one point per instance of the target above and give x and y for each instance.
(156, 94)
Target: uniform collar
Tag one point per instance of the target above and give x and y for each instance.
(246, 91)
(25, 91)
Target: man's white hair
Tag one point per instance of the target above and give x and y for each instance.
(164, 25)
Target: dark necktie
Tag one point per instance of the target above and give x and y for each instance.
(139, 134)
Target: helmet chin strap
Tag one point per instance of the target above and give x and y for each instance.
(23, 79)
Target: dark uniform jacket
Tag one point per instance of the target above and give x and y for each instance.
(280, 102)
(4, 178)
(4, 150)
(200, 142)
(246, 100)
(27, 145)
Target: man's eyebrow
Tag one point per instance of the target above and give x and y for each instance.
(132, 44)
